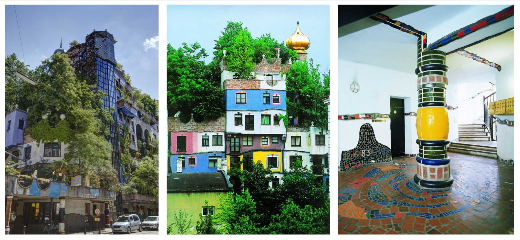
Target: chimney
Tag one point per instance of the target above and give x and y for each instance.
(179, 165)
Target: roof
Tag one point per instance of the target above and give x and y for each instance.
(198, 182)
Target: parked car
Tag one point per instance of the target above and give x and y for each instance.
(151, 222)
(127, 223)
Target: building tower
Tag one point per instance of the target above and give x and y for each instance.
(298, 42)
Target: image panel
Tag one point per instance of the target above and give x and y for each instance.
(248, 120)
(426, 119)
(81, 119)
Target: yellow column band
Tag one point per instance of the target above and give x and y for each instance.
(432, 123)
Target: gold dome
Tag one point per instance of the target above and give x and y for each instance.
(298, 41)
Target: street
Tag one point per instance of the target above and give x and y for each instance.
(109, 231)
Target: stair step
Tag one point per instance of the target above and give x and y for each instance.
(474, 139)
(473, 146)
(473, 152)
(472, 135)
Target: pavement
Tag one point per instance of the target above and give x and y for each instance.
(384, 199)
(109, 231)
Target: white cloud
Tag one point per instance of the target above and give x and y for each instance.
(151, 43)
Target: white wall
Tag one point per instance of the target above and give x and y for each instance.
(377, 85)
(505, 89)
(453, 115)
(210, 148)
(472, 110)
(259, 128)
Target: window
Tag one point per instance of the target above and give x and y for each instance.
(320, 140)
(27, 153)
(250, 122)
(247, 140)
(240, 98)
(16, 155)
(181, 143)
(212, 162)
(20, 123)
(248, 163)
(238, 119)
(183, 161)
(8, 125)
(276, 120)
(235, 162)
(208, 210)
(265, 141)
(276, 99)
(266, 119)
(205, 141)
(316, 160)
(266, 98)
(52, 150)
(191, 161)
(276, 182)
(234, 145)
(217, 140)
(272, 162)
(296, 141)
(293, 160)
(274, 139)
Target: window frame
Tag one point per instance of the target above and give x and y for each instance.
(211, 159)
(234, 144)
(207, 208)
(265, 116)
(179, 139)
(319, 139)
(270, 158)
(276, 120)
(236, 117)
(8, 125)
(21, 123)
(250, 126)
(293, 141)
(52, 146)
(273, 139)
(266, 98)
(194, 161)
(262, 141)
(27, 150)
(218, 141)
(239, 99)
(205, 141)
(248, 140)
(278, 97)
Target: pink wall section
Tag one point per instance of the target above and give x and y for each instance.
(191, 142)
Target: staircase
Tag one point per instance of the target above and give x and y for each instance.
(475, 149)
(473, 132)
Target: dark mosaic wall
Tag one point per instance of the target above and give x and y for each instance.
(367, 151)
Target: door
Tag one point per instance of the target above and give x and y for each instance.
(397, 126)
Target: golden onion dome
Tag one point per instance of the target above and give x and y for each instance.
(298, 41)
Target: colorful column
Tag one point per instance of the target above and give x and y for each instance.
(61, 228)
(433, 163)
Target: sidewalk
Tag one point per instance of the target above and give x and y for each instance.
(91, 232)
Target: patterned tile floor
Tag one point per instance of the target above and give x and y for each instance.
(384, 199)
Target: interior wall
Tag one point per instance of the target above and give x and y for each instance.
(453, 115)
(505, 89)
(472, 110)
(377, 85)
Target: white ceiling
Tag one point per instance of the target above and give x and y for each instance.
(386, 47)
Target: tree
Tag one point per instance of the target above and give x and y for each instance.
(73, 43)
(306, 92)
(188, 91)
(294, 219)
(238, 214)
(240, 57)
(265, 45)
(16, 90)
(146, 176)
(182, 222)
(227, 39)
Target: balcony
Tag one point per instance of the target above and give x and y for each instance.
(138, 198)
(126, 108)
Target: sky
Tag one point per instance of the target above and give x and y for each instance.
(204, 24)
(135, 29)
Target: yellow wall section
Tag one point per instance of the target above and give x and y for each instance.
(262, 157)
(229, 162)
(432, 123)
(192, 204)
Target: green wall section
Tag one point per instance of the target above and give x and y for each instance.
(192, 204)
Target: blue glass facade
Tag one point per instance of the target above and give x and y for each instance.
(105, 82)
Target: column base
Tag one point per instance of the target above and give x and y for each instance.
(433, 184)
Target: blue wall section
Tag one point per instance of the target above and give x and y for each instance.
(254, 99)
(201, 162)
(14, 136)
(34, 190)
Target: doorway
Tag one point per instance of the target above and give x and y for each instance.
(397, 127)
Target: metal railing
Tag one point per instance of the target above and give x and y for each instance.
(490, 120)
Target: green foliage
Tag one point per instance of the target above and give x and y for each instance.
(108, 177)
(306, 92)
(265, 45)
(238, 214)
(146, 103)
(205, 223)
(10, 169)
(181, 221)
(124, 156)
(294, 219)
(227, 39)
(146, 176)
(16, 90)
(240, 57)
(188, 91)
(73, 43)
